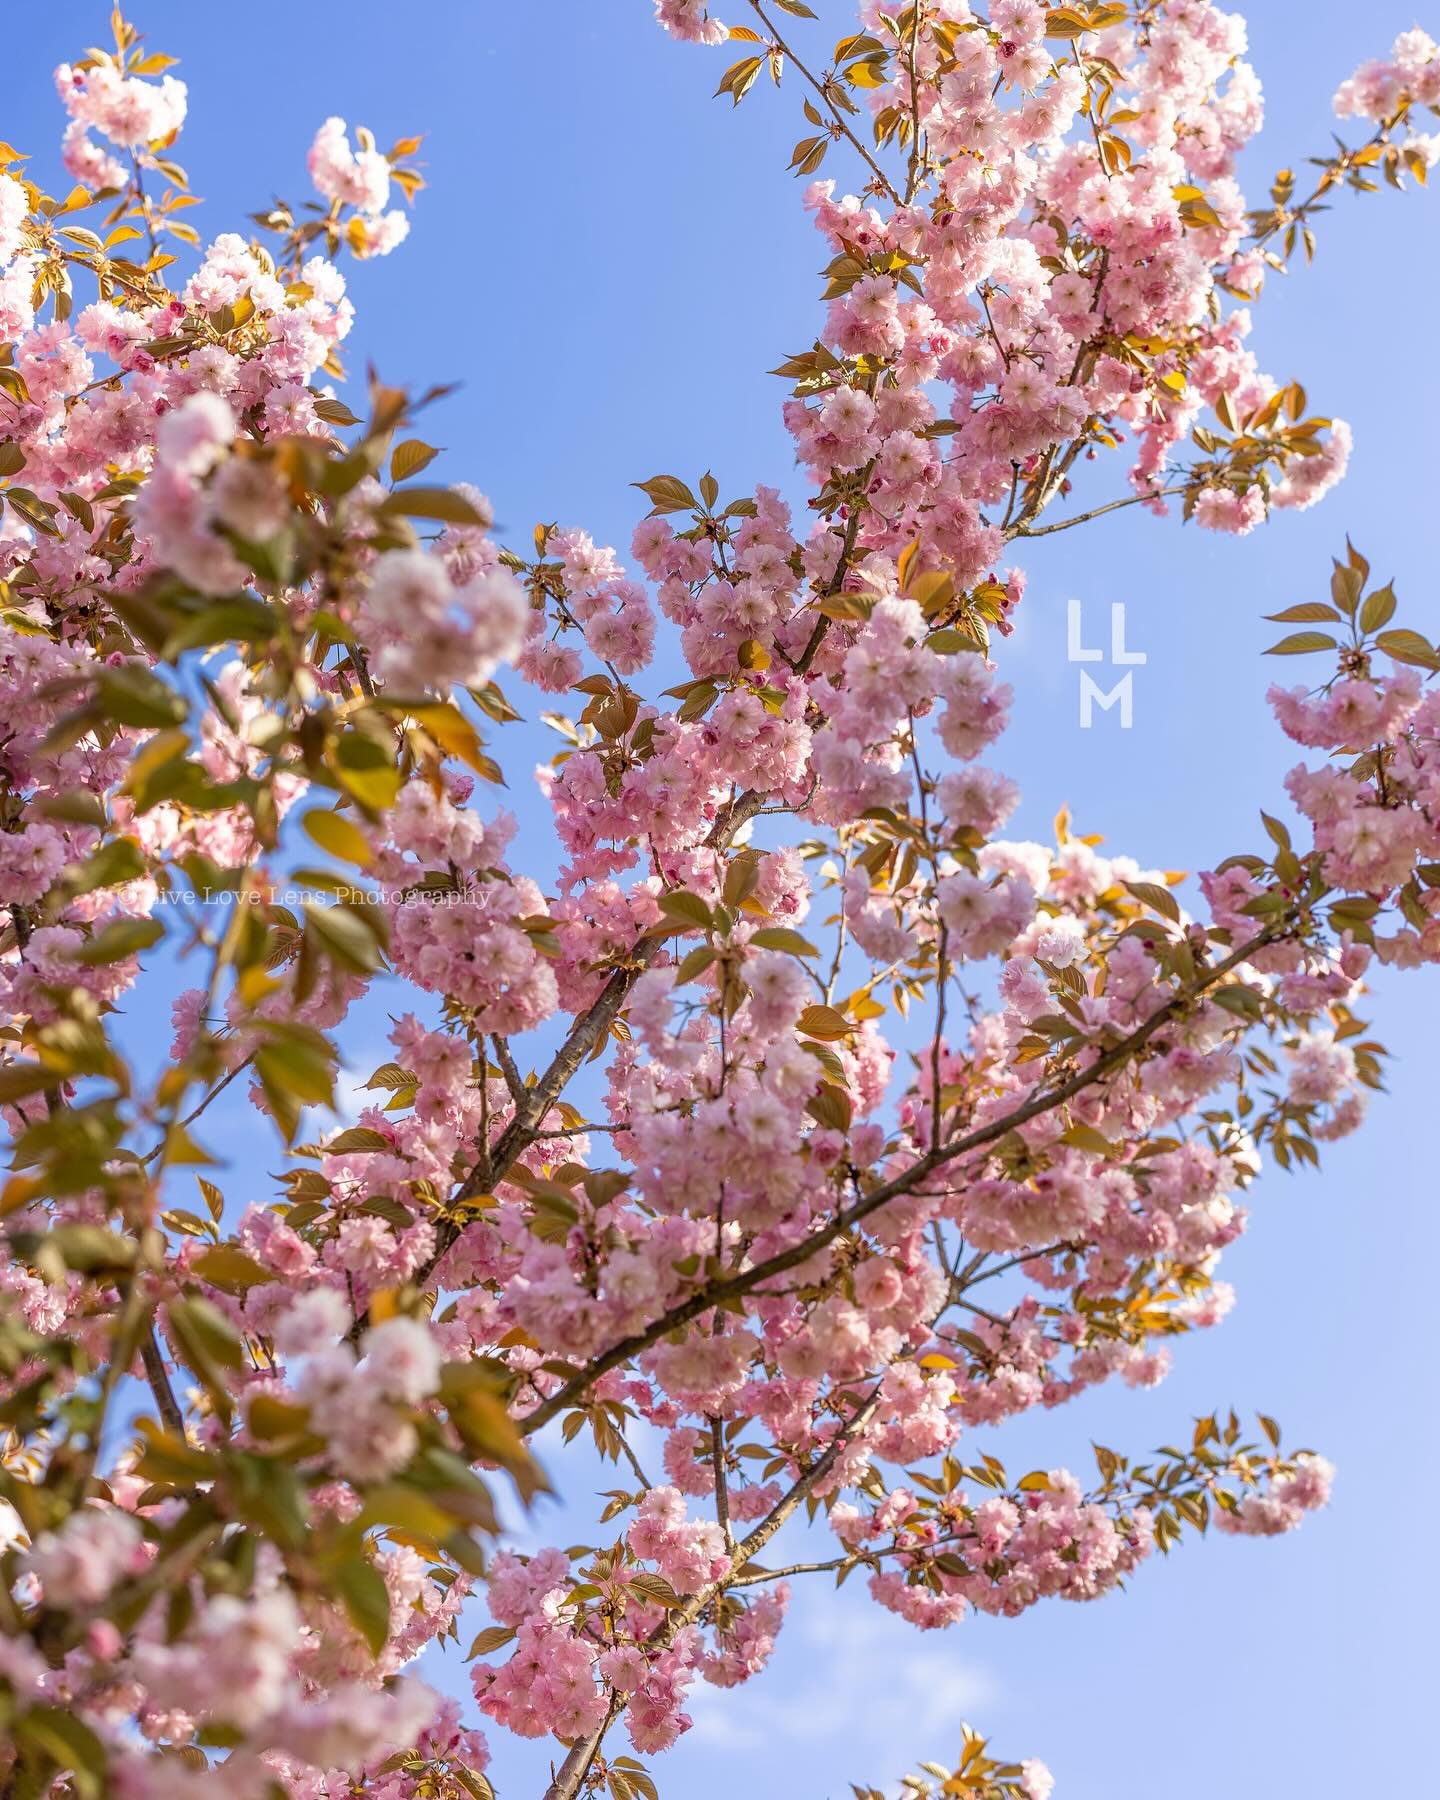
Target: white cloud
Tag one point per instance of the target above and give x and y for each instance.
(850, 1672)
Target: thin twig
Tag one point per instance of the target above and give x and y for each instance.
(722, 1490)
(823, 91)
(190, 1117)
(1033, 531)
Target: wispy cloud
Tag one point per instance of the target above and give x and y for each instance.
(845, 1670)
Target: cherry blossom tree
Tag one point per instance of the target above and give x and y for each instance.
(790, 1110)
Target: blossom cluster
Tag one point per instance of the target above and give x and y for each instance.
(238, 643)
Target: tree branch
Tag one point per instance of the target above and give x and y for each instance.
(734, 1286)
(160, 1387)
(514, 1081)
(722, 1486)
(1033, 531)
(823, 91)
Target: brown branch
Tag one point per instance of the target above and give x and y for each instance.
(514, 1081)
(160, 1386)
(190, 1117)
(569, 1777)
(633, 1459)
(722, 1486)
(822, 89)
(918, 158)
(1032, 531)
(24, 931)
(518, 1135)
(142, 200)
(1333, 172)
(855, 1558)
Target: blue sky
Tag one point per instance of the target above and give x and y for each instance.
(608, 262)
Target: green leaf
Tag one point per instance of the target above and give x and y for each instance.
(208, 1326)
(455, 735)
(244, 619)
(346, 936)
(1087, 1138)
(367, 769)
(75, 806)
(693, 966)
(410, 458)
(268, 1417)
(279, 1097)
(1355, 906)
(19, 1079)
(1346, 585)
(1308, 612)
(1409, 647)
(1066, 22)
(225, 1266)
(654, 1587)
(393, 1077)
(68, 1742)
(1278, 832)
(444, 504)
(781, 937)
(494, 704)
(830, 1106)
(686, 910)
(91, 1249)
(366, 1599)
(667, 493)
(1379, 609)
(340, 836)
(699, 697)
(738, 80)
(824, 1022)
(1157, 898)
(131, 695)
(1299, 642)
(112, 865)
(385, 1206)
(487, 1430)
(40, 514)
(358, 1137)
(334, 412)
(207, 1343)
(119, 939)
(948, 641)
(292, 1076)
(399, 1504)
(494, 1637)
(167, 1457)
(741, 878)
(1235, 997)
